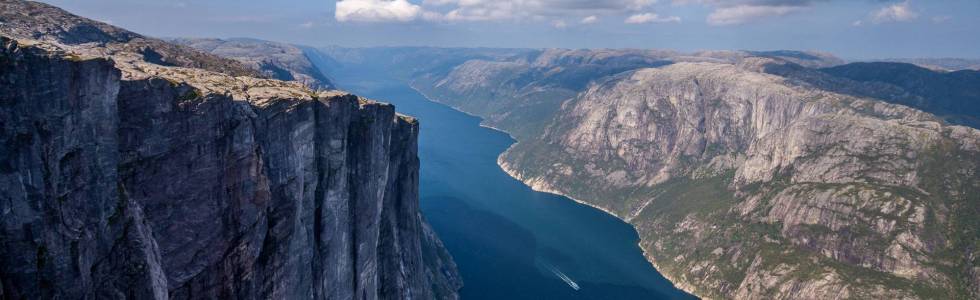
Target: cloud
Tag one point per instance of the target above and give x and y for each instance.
(899, 12)
(746, 13)
(481, 10)
(590, 20)
(377, 11)
(734, 12)
(306, 25)
(560, 24)
(650, 18)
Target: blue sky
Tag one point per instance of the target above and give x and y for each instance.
(857, 29)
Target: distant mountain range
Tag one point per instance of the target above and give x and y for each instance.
(940, 64)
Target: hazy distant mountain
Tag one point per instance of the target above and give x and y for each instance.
(746, 174)
(953, 96)
(275, 60)
(940, 64)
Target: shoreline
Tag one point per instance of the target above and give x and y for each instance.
(544, 187)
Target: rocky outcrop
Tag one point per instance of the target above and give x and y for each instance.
(749, 176)
(42, 22)
(123, 178)
(274, 60)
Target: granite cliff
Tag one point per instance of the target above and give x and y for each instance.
(747, 174)
(124, 176)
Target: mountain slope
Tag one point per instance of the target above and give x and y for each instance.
(274, 60)
(38, 21)
(125, 178)
(940, 64)
(955, 94)
(783, 192)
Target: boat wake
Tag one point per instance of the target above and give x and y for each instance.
(561, 275)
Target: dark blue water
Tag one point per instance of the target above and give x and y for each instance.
(511, 242)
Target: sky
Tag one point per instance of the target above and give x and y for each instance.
(853, 29)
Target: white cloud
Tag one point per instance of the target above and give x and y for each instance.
(734, 12)
(741, 14)
(650, 18)
(560, 24)
(590, 20)
(899, 12)
(377, 11)
(482, 10)
(857, 23)
(306, 25)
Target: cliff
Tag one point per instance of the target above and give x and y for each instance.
(124, 178)
(748, 175)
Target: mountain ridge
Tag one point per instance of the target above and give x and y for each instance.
(275, 60)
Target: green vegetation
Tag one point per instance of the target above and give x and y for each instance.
(191, 94)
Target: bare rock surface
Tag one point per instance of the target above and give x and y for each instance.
(125, 178)
(275, 60)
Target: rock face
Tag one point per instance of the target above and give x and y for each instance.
(124, 179)
(748, 175)
(274, 60)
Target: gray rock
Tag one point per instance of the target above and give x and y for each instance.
(275, 60)
(126, 179)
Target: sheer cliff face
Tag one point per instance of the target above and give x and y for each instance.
(123, 178)
(746, 184)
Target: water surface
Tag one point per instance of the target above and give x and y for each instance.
(509, 241)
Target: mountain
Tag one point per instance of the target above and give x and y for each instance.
(747, 175)
(519, 92)
(274, 60)
(49, 24)
(953, 94)
(125, 175)
(940, 64)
